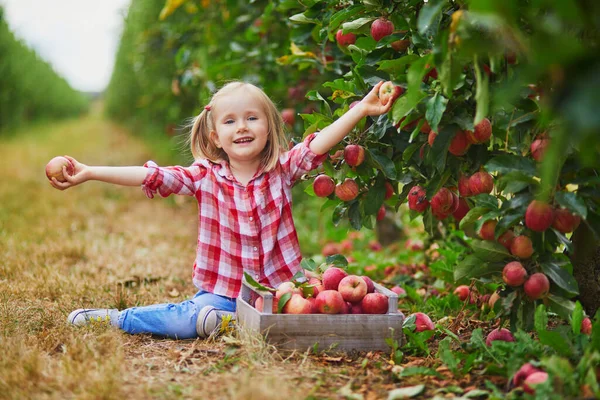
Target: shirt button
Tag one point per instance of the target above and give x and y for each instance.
(251, 219)
(255, 248)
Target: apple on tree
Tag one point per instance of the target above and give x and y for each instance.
(389, 92)
(381, 28)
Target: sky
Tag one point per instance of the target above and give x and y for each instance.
(79, 38)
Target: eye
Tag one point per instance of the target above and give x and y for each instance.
(228, 121)
(253, 118)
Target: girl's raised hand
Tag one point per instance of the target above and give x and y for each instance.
(371, 103)
(80, 175)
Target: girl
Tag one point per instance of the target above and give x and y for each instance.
(242, 179)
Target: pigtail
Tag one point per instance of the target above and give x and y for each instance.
(201, 144)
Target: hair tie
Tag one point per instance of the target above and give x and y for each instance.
(207, 108)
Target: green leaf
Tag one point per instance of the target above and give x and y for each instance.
(572, 202)
(561, 306)
(355, 216)
(383, 163)
(303, 19)
(560, 276)
(577, 318)
(375, 197)
(397, 65)
(472, 216)
(481, 94)
(541, 318)
(405, 104)
(489, 250)
(255, 284)
(508, 163)
(474, 267)
(556, 341)
(337, 260)
(356, 24)
(428, 14)
(283, 301)
(308, 264)
(343, 15)
(435, 109)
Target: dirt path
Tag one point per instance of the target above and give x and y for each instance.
(97, 245)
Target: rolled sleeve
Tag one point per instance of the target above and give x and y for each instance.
(171, 180)
(302, 159)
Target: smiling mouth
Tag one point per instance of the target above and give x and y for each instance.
(243, 140)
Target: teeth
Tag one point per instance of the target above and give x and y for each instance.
(243, 140)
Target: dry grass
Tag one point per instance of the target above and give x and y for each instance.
(105, 246)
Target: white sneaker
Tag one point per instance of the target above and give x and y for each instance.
(85, 316)
(212, 320)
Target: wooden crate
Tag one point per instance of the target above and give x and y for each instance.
(362, 332)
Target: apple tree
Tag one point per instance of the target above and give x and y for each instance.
(494, 133)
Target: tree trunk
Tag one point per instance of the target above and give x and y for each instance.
(388, 231)
(586, 267)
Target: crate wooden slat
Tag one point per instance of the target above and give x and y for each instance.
(361, 332)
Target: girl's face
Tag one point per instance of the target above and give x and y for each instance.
(241, 127)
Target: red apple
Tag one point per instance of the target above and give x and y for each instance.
(521, 247)
(533, 380)
(537, 286)
(565, 221)
(289, 116)
(354, 155)
(287, 287)
(423, 322)
(463, 186)
(345, 39)
(259, 304)
(482, 132)
(462, 292)
(459, 144)
(375, 303)
(317, 286)
(501, 334)
(481, 182)
(398, 290)
(431, 138)
(522, 374)
(463, 209)
(514, 274)
(323, 185)
(331, 248)
(506, 239)
(370, 284)
(586, 326)
(380, 213)
(417, 200)
(487, 231)
(381, 28)
(297, 305)
(352, 288)
(432, 73)
(347, 190)
(539, 216)
(329, 302)
(356, 309)
(539, 146)
(332, 277)
(442, 203)
(54, 168)
(389, 190)
(388, 92)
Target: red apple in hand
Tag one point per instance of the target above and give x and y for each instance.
(389, 92)
(54, 168)
(323, 185)
(352, 288)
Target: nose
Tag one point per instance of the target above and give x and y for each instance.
(241, 125)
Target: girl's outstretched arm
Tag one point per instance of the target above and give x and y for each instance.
(127, 176)
(370, 105)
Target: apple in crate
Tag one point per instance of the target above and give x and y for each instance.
(352, 288)
(298, 305)
(330, 302)
(332, 277)
(259, 304)
(375, 303)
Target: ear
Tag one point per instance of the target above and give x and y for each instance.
(215, 139)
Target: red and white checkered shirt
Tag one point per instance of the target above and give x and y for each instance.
(240, 228)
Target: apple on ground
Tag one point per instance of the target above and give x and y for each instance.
(54, 168)
(375, 303)
(389, 92)
(297, 305)
(423, 322)
(501, 334)
(398, 290)
(352, 288)
(332, 278)
(323, 185)
(329, 302)
(462, 292)
(522, 374)
(533, 380)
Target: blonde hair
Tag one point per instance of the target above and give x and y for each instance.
(203, 146)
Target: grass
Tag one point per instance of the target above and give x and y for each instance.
(99, 245)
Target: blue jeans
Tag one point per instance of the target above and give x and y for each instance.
(176, 321)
